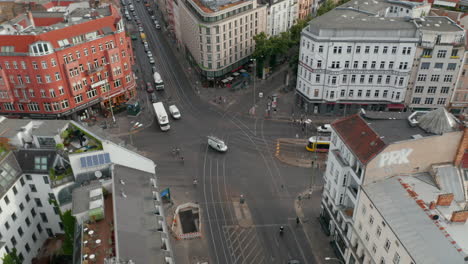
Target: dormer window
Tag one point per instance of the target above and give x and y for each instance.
(40, 49)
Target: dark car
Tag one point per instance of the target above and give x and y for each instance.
(149, 87)
(154, 98)
(154, 69)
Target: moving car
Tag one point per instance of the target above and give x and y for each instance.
(174, 111)
(153, 17)
(217, 144)
(326, 128)
(140, 29)
(154, 98)
(158, 26)
(154, 69)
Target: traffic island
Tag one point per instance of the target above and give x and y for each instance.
(292, 151)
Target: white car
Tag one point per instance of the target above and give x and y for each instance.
(217, 144)
(149, 53)
(324, 128)
(175, 113)
(151, 60)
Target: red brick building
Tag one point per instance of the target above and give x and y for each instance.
(57, 64)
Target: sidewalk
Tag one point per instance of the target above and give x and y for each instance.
(308, 211)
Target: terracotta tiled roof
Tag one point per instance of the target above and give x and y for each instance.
(361, 140)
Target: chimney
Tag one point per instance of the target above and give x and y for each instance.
(31, 19)
(445, 199)
(432, 205)
(462, 147)
(459, 216)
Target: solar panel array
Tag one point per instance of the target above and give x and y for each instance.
(95, 160)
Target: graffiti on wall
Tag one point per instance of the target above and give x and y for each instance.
(396, 157)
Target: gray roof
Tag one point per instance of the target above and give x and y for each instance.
(48, 127)
(10, 127)
(362, 18)
(10, 171)
(81, 199)
(450, 181)
(438, 23)
(439, 121)
(415, 230)
(136, 224)
(393, 127)
(26, 157)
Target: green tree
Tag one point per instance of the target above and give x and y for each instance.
(11, 258)
(68, 221)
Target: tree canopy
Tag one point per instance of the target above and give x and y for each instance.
(11, 258)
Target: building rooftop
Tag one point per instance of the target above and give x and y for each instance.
(211, 6)
(365, 15)
(363, 142)
(36, 160)
(137, 236)
(393, 127)
(449, 180)
(438, 23)
(10, 171)
(402, 201)
(82, 197)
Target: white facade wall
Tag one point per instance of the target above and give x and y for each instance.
(25, 216)
(281, 16)
(334, 71)
(437, 69)
(373, 238)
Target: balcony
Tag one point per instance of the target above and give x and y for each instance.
(427, 44)
(94, 70)
(454, 57)
(427, 56)
(346, 212)
(20, 85)
(25, 100)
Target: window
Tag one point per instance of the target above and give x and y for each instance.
(21, 207)
(429, 100)
(416, 100)
(376, 49)
(48, 79)
(57, 76)
(362, 78)
(379, 79)
(7, 225)
(387, 245)
(26, 246)
(33, 212)
(367, 49)
(359, 93)
(40, 163)
(39, 78)
(39, 228)
(390, 65)
(78, 98)
(425, 65)
(320, 49)
(379, 231)
(451, 66)
(44, 218)
(14, 217)
(349, 49)
(346, 65)
(371, 220)
(376, 93)
(394, 50)
(427, 53)
(448, 78)
(435, 77)
(419, 89)
(355, 64)
(34, 238)
(44, 64)
(438, 66)
(422, 77)
(61, 91)
(454, 53)
(317, 78)
(38, 202)
(368, 93)
(441, 54)
(32, 187)
(441, 101)
(353, 78)
(6, 199)
(373, 64)
(374, 248)
(364, 64)
(319, 64)
(13, 240)
(367, 236)
(64, 104)
(445, 90)
(27, 198)
(358, 49)
(20, 231)
(385, 50)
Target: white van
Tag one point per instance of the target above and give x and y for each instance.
(217, 144)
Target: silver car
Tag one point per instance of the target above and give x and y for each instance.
(217, 144)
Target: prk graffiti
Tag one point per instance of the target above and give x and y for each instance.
(396, 157)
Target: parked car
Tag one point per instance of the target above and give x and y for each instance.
(326, 128)
(134, 37)
(140, 29)
(217, 144)
(153, 17)
(154, 69)
(175, 113)
(149, 87)
(151, 60)
(149, 53)
(158, 26)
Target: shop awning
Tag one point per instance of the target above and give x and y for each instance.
(229, 78)
(235, 74)
(224, 81)
(395, 106)
(242, 70)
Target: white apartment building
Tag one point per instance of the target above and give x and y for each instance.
(408, 219)
(44, 160)
(281, 16)
(217, 36)
(359, 55)
(439, 61)
(372, 146)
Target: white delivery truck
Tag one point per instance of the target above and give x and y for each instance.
(158, 81)
(161, 115)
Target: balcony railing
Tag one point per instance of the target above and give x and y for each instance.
(94, 70)
(454, 57)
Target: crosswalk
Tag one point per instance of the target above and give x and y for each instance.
(244, 245)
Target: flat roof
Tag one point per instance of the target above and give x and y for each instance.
(438, 23)
(415, 230)
(136, 223)
(393, 127)
(81, 197)
(29, 164)
(10, 171)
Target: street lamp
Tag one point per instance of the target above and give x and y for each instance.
(334, 259)
(254, 76)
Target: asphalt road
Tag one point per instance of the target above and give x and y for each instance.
(235, 233)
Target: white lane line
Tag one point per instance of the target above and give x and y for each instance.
(298, 245)
(214, 208)
(207, 210)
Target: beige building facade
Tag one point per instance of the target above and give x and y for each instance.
(217, 37)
